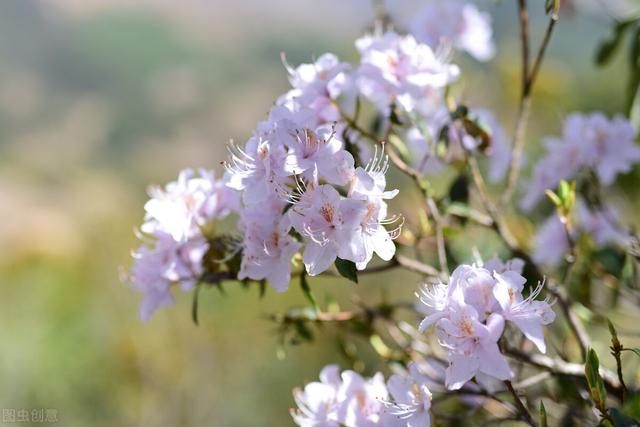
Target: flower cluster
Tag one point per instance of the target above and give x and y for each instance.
(551, 242)
(301, 189)
(398, 70)
(290, 173)
(470, 313)
(177, 221)
(348, 399)
(592, 142)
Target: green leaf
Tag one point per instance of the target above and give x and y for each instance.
(194, 304)
(543, 415)
(627, 273)
(608, 47)
(615, 343)
(379, 346)
(554, 198)
(459, 190)
(553, 7)
(347, 269)
(612, 259)
(634, 49)
(303, 333)
(306, 290)
(620, 419)
(596, 385)
(631, 406)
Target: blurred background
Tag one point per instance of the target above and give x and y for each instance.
(98, 99)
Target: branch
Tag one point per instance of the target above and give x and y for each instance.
(522, 409)
(523, 18)
(497, 224)
(560, 367)
(524, 108)
(416, 266)
(574, 323)
(431, 205)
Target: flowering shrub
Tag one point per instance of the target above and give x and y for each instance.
(308, 192)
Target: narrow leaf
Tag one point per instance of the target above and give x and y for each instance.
(306, 290)
(554, 198)
(543, 415)
(347, 269)
(615, 343)
(596, 385)
(194, 304)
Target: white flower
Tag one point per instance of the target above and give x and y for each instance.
(182, 207)
(473, 346)
(321, 87)
(369, 185)
(161, 263)
(469, 315)
(528, 314)
(398, 70)
(601, 224)
(455, 23)
(256, 169)
(317, 403)
(267, 247)
(361, 401)
(329, 223)
(608, 145)
(319, 155)
(473, 286)
(590, 141)
(411, 398)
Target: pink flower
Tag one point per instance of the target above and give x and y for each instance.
(317, 402)
(319, 155)
(601, 224)
(473, 346)
(182, 207)
(469, 316)
(411, 398)
(398, 70)
(589, 141)
(329, 223)
(361, 401)
(161, 263)
(608, 145)
(369, 185)
(267, 247)
(457, 24)
(321, 87)
(528, 314)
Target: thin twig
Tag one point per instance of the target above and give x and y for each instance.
(560, 367)
(543, 47)
(522, 409)
(497, 223)
(523, 19)
(440, 243)
(431, 204)
(524, 108)
(416, 266)
(574, 323)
